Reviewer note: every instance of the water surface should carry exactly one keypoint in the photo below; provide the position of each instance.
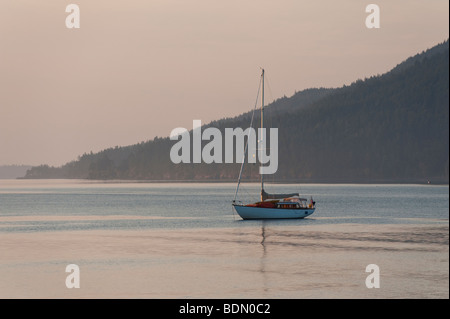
(182, 240)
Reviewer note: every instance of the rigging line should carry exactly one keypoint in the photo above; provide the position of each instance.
(246, 144)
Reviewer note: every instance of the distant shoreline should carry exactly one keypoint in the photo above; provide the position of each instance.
(369, 182)
(13, 171)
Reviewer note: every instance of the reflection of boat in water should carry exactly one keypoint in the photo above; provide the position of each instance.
(272, 206)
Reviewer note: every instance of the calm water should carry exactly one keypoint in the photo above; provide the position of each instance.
(176, 240)
(168, 206)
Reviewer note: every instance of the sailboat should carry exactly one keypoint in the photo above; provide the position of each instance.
(272, 206)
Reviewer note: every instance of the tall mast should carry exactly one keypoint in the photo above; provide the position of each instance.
(262, 126)
(246, 144)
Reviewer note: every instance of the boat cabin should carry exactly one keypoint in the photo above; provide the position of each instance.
(293, 203)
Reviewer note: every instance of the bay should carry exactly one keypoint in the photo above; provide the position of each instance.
(182, 240)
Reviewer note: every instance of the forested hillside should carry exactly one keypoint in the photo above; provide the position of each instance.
(388, 128)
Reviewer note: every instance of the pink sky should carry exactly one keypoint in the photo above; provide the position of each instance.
(138, 69)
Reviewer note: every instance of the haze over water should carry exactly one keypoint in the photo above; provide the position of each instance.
(151, 240)
(65, 92)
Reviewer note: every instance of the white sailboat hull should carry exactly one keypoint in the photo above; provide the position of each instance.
(249, 212)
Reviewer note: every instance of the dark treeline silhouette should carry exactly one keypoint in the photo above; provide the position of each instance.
(387, 128)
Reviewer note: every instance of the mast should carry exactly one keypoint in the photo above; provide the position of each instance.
(246, 144)
(262, 126)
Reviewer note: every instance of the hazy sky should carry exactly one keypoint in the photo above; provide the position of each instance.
(137, 69)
